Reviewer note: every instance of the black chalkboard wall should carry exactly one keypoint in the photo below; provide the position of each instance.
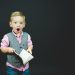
(48, 23)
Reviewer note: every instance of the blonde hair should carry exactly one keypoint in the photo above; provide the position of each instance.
(17, 13)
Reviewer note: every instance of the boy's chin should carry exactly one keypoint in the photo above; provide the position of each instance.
(18, 31)
(15, 31)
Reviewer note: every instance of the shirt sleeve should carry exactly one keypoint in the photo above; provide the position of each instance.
(5, 41)
(29, 40)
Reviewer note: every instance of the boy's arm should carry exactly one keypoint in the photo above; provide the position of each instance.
(30, 49)
(7, 49)
(30, 45)
(4, 45)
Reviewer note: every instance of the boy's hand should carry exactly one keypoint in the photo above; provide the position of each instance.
(7, 49)
(10, 50)
(29, 50)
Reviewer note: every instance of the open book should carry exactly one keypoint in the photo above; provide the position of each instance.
(25, 56)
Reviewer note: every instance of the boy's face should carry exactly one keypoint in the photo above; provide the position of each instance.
(17, 23)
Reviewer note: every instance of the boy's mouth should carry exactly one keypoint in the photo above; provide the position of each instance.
(18, 29)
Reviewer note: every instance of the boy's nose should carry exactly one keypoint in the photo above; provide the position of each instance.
(18, 24)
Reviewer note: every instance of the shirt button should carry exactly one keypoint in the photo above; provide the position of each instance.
(20, 47)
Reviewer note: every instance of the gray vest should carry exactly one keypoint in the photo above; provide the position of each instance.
(13, 42)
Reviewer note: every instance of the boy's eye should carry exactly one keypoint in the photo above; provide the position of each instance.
(15, 22)
(21, 22)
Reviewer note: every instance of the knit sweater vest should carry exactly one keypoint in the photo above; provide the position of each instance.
(13, 59)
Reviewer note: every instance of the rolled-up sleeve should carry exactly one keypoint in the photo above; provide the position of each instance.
(29, 40)
(5, 41)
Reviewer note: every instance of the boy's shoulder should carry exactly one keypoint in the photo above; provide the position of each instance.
(8, 33)
(26, 33)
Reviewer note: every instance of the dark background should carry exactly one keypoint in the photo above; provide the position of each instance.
(49, 24)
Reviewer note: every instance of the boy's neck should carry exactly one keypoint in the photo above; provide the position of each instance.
(17, 34)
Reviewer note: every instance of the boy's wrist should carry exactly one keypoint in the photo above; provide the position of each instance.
(29, 50)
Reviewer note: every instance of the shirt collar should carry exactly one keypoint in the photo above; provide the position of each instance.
(16, 35)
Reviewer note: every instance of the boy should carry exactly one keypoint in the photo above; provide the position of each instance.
(16, 41)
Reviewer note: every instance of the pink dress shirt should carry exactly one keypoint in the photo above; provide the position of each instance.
(5, 43)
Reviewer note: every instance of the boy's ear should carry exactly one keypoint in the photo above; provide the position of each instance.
(10, 24)
(24, 25)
